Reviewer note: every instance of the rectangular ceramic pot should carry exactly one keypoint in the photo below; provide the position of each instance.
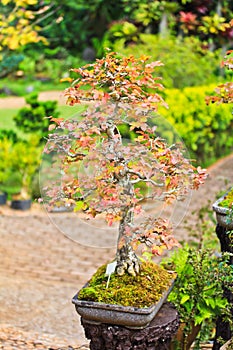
(128, 316)
(222, 213)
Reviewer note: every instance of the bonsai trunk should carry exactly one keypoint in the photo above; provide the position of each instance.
(127, 260)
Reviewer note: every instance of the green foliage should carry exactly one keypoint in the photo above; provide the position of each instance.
(91, 20)
(9, 135)
(34, 118)
(5, 159)
(198, 292)
(205, 130)
(22, 86)
(228, 200)
(201, 229)
(141, 290)
(26, 158)
(48, 64)
(10, 63)
(186, 63)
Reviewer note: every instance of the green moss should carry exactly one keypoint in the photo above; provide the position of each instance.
(227, 202)
(142, 290)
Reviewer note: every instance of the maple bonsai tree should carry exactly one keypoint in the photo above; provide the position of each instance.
(111, 177)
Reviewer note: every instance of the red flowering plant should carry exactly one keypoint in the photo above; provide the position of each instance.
(103, 175)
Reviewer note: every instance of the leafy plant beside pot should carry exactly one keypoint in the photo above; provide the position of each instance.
(198, 290)
(26, 158)
(106, 176)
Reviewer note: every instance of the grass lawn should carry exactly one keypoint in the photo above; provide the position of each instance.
(7, 116)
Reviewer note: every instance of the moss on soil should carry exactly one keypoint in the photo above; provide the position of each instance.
(142, 290)
(227, 202)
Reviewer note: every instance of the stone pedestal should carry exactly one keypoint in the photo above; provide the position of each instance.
(156, 336)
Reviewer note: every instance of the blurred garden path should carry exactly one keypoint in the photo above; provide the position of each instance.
(41, 268)
(19, 102)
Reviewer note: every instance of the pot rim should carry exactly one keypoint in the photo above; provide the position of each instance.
(219, 209)
(121, 308)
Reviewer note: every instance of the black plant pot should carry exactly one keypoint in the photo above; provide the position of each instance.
(21, 204)
(3, 198)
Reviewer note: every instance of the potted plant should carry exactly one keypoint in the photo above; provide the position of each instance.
(223, 208)
(104, 175)
(26, 157)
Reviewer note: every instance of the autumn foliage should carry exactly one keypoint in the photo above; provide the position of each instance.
(105, 175)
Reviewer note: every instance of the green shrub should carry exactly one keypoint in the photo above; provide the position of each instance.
(5, 160)
(205, 130)
(10, 63)
(34, 118)
(186, 63)
(26, 159)
(9, 135)
(37, 65)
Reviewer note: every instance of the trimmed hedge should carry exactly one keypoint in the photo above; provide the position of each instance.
(205, 130)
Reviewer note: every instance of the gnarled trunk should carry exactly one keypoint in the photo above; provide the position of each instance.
(127, 260)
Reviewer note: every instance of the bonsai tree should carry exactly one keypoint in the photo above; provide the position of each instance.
(104, 175)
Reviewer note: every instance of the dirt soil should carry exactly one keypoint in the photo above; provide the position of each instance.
(42, 268)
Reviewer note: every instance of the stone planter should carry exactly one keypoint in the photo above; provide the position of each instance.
(127, 316)
(222, 214)
(157, 335)
(223, 228)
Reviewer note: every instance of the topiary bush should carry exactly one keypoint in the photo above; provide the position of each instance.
(34, 117)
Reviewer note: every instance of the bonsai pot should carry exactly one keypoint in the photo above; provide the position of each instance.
(222, 213)
(127, 316)
(3, 198)
(21, 204)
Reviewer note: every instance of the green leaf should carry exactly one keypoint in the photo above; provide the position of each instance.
(79, 206)
(184, 298)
